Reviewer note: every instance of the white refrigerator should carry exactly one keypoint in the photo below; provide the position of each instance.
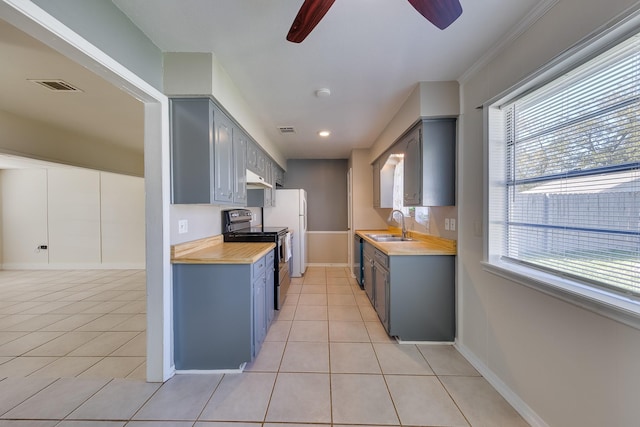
(291, 212)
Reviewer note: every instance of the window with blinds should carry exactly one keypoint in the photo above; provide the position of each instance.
(572, 166)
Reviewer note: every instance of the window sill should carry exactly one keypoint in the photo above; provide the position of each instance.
(617, 307)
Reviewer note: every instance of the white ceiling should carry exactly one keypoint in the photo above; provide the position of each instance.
(100, 111)
(370, 53)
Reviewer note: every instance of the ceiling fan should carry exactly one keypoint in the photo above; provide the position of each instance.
(440, 13)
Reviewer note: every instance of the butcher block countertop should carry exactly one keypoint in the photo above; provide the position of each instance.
(423, 244)
(213, 250)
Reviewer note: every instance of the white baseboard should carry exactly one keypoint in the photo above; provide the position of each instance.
(210, 371)
(72, 266)
(509, 395)
(327, 265)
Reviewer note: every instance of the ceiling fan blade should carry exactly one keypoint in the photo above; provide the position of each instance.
(440, 13)
(310, 13)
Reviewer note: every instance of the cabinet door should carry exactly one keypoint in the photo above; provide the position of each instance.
(252, 156)
(261, 163)
(191, 150)
(439, 162)
(357, 258)
(376, 184)
(368, 276)
(268, 193)
(240, 144)
(223, 147)
(259, 313)
(279, 176)
(274, 174)
(412, 179)
(381, 292)
(270, 287)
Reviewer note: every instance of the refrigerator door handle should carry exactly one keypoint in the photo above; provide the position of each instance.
(304, 213)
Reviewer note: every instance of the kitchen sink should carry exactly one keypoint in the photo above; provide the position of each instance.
(388, 238)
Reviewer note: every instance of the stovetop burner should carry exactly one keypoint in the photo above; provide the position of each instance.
(236, 226)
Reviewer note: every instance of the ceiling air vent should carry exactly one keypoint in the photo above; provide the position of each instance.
(286, 129)
(56, 85)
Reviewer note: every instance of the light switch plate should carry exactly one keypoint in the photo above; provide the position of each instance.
(446, 224)
(183, 226)
(452, 224)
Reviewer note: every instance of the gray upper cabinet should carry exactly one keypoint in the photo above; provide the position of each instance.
(376, 183)
(223, 157)
(240, 150)
(273, 182)
(279, 176)
(261, 166)
(192, 152)
(208, 154)
(412, 180)
(428, 151)
(430, 163)
(268, 176)
(252, 156)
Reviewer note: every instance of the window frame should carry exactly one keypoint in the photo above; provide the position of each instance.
(614, 305)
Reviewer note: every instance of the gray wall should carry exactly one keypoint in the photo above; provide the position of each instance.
(326, 185)
(105, 26)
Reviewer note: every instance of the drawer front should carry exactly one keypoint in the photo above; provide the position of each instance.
(258, 267)
(382, 259)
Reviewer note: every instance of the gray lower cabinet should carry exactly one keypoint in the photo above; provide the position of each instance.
(414, 295)
(368, 253)
(221, 313)
(270, 283)
(381, 287)
(260, 317)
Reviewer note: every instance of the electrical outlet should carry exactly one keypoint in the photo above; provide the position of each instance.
(452, 224)
(446, 224)
(183, 226)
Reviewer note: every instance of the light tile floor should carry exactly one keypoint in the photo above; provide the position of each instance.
(72, 354)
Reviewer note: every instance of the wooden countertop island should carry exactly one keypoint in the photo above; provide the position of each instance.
(213, 250)
(223, 302)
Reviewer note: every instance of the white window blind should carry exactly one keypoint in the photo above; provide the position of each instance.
(573, 173)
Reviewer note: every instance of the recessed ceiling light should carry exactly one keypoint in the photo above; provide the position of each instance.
(324, 133)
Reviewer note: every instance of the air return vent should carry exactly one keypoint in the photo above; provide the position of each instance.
(286, 129)
(56, 85)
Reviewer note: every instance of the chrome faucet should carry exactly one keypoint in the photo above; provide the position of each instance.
(404, 228)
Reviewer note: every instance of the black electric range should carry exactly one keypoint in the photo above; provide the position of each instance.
(236, 227)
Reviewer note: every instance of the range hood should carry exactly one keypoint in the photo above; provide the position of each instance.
(256, 181)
